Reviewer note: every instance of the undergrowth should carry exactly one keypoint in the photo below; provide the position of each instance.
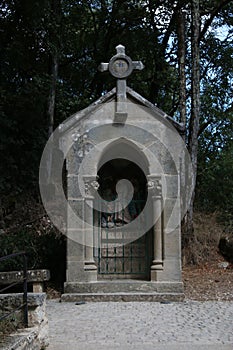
(207, 233)
(10, 324)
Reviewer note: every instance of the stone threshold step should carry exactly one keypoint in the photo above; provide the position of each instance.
(120, 286)
(101, 297)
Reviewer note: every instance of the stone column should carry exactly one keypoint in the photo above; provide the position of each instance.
(91, 186)
(155, 191)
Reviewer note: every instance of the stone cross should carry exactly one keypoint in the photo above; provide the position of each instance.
(121, 66)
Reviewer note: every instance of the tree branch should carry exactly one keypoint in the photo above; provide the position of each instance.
(172, 24)
(203, 127)
(213, 14)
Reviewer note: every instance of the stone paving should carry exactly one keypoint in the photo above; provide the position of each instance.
(140, 325)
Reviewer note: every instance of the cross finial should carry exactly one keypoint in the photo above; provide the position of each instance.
(121, 66)
(120, 49)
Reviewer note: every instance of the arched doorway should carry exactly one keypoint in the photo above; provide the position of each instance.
(114, 258)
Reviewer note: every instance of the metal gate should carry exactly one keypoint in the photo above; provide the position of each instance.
(113, 255)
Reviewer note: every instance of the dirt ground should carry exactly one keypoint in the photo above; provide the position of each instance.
(212, 277)
(209, 281)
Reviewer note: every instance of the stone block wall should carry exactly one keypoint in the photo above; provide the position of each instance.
(38, 323)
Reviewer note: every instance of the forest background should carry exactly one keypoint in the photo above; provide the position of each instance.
(50, 51)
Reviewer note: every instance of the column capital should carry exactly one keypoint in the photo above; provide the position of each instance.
(154, 185)
(91, 185)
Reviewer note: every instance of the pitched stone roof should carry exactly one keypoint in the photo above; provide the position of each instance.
(110, 96)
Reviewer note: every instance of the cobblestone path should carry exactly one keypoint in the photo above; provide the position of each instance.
(141, 325)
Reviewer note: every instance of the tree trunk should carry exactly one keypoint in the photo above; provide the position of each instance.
(54, 44)
(188, 230)
(181, 63)
(52, 92)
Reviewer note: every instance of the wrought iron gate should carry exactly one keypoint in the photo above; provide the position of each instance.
(113, 255)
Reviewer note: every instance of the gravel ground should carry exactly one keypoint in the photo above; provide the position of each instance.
(204, 321)
(140, 325)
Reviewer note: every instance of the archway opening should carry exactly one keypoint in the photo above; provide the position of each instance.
(117, 169)
(114, 258)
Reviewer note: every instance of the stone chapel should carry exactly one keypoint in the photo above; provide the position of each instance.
(122, 145)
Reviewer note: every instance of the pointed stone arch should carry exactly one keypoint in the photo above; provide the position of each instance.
(125, 149)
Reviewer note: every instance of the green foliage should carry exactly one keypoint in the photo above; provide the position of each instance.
(24, 94)
(214, 189)
(85, 33)
(215, 180)
(44, 251)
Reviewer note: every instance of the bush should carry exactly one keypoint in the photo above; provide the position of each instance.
(44, 250)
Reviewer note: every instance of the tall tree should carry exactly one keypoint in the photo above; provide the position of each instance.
(181, 55)
(194, 130)
(54, 51)
(195, 108)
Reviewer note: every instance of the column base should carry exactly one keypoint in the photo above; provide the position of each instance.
(90, 266)
(90, 270)
(156, 275)
(157, 265)
(156, 270)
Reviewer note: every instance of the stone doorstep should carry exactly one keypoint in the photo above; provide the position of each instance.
(127, 290)
(123, 286)
(105, 297)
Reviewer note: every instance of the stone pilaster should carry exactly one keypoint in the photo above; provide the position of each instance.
(155, 191)
(91, 185)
